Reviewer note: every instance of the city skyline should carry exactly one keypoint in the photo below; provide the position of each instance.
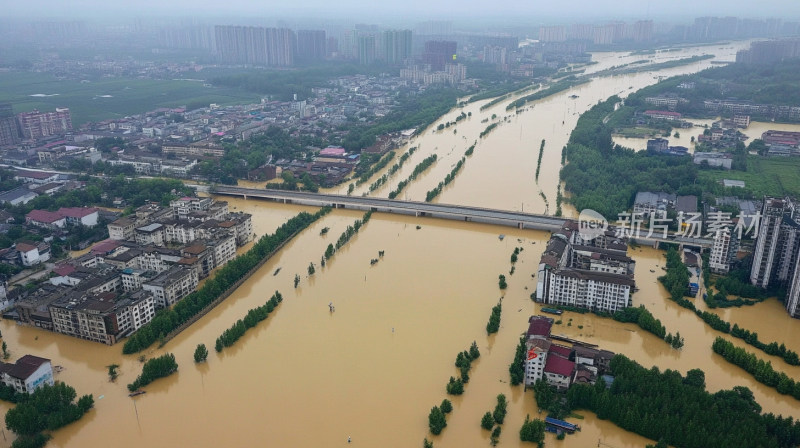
(394, 11)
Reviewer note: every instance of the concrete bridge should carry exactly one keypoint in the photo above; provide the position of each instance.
(507, 218)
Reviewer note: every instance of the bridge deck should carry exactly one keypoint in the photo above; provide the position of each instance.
(437, 210)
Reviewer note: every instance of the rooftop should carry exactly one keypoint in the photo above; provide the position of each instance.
(559, 365)
(24, 367)
(44, 216)
(539, 326)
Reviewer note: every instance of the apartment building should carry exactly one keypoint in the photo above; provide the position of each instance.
(172, 285)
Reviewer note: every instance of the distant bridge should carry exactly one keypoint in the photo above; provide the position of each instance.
(507, 218)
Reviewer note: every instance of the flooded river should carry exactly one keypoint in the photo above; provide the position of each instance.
(372, 369)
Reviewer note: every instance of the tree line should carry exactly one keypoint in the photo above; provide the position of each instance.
(539, 162)
(46, 409)
(558, 86)
(677, 410)
(348, 233)
(497, 416)
(153, 369)
(517, 368)
(494, 319)
(488, 129)
(432, 194)
(673, 281)
(761, 370)
(464, 363)
(419, 169)
(169, 319)
(381, 164)
(251, 319)
(394, 169)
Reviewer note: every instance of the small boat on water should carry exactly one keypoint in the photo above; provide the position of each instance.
(501, 236)
(137, 392)
(552, 311)
(652, 270)
(276, 272)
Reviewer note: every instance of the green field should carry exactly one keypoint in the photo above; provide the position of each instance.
(771, 176)
(128, 96)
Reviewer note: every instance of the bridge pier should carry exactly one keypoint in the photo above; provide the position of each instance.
(244, 196)
(519, 225)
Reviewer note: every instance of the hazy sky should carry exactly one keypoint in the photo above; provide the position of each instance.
(566, 11)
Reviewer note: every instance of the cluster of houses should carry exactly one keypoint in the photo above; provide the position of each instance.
(560, 365)
(152, 259)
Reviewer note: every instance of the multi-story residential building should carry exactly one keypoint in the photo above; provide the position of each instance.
(537, 344)
(123, 259)
(241, 224)
(172, 285)
(769, 242)
(185, 205)
(560, 365)
(723, 252)
(151, 234)
(132, 279)
(397, 46)
(158, 259)
(27, 374)
(36, 125)
(153, 212)
(311, 45)
(9, 131)
(584, 276)
(222, 246)
(272, 47)
(662, 115)
(180, 232)
(121, 229)
(439, 53)
(588, 289)
(793, 297)
(104, 317)
(200, 257)
(205, 149)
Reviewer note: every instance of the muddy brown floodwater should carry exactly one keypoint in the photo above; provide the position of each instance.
(372, 369)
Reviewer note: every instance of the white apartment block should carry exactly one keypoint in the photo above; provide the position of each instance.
(723, 251)
(591, 290)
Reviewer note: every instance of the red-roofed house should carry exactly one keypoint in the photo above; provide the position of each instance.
(85, 216)
(561, 350)
(106, 247)
(43, 218)
(558, 370)
(539, 326)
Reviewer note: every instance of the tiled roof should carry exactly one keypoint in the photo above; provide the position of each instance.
(44, 216)
(559, 365)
